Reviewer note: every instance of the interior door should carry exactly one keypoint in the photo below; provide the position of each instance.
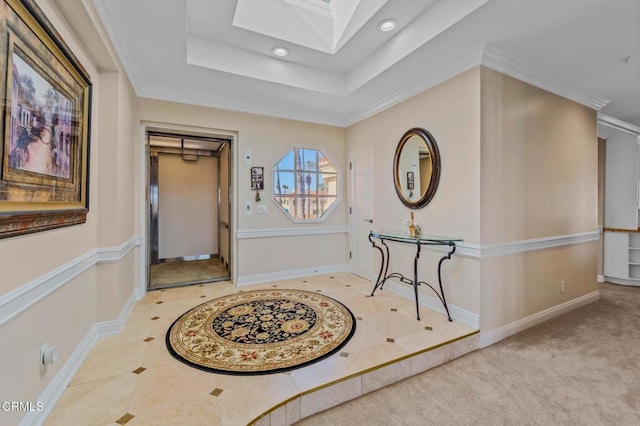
(361, 218)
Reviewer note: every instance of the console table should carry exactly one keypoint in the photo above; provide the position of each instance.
(423, 240)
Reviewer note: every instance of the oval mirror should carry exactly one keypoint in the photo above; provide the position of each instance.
(416, 168)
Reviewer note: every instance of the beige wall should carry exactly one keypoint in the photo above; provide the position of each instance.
(63, 320)
(539, 162)
(451, 113)
(539, 179)
(65, 316)
(268, 139)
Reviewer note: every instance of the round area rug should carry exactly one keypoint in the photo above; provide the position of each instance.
(260, 332)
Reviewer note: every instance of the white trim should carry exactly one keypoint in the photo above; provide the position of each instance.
(339, 179)
(514, 247)
(614, 123)
(622, 281)
(164, 93)
(245, 280)
(503, 62)
(115, 327)
(463, 249)
(143, 174)
(600, 278)
(476, 251)
(106, 10)
(23, 298)
(56, 387)
(433, 303)
(462, 64)
(115, 254)
(246, 234)
(493, 336)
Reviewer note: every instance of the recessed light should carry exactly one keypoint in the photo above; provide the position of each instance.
(280, 51)
(387, 25)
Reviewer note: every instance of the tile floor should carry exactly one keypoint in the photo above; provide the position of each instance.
(132, 379)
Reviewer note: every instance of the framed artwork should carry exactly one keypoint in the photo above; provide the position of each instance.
(45, 124)
(257, 178)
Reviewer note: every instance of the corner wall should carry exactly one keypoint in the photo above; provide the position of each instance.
(539, 183)
(450, 111)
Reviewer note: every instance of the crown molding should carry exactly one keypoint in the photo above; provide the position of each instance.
(106, 10)
(514, 67)
(464, 63)
(168, 95)
(614, 123)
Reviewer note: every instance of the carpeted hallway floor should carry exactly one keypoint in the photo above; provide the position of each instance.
(582, 368)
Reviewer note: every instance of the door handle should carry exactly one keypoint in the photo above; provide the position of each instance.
(368, 220)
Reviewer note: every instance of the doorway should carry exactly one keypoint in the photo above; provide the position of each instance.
(361, 165)
(189, 209)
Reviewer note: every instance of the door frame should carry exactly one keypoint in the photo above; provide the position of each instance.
(142, 194)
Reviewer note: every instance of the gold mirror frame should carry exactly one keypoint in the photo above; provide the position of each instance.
(426, 195)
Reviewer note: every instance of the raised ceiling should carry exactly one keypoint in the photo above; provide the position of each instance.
(341, 68)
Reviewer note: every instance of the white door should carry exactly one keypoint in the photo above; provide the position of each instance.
(361, 209)
(621, 180)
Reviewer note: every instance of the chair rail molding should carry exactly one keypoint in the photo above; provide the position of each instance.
(246, 234)
(23, 298)
(477, 251)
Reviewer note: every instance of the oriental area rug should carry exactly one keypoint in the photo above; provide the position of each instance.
(260, 332)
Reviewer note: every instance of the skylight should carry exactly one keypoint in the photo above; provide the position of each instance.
(317, 24)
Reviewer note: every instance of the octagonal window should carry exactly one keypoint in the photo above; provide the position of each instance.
(305, 184)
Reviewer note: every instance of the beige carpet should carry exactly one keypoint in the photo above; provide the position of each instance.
(582, 368)
(182, 273)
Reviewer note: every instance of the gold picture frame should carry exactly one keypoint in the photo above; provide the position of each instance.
(46, 116)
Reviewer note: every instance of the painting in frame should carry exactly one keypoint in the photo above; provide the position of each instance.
(44, 125)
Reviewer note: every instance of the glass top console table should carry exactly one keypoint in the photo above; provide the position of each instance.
(379, 240)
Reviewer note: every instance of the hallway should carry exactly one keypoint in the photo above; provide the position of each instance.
(132, 379)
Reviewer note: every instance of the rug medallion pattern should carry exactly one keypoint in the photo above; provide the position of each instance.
(260, 332)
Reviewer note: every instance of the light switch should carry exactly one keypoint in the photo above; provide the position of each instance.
(248, 207)
(247, 157)
(262, 209)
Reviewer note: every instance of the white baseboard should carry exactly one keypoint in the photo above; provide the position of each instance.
(59, 383)
(622, 281)
(488, 338)
(433, 303)
(245, 280)
(114, 327)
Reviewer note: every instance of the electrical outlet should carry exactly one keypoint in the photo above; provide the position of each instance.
(262, 209)
(248, 208)
(562, 286)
